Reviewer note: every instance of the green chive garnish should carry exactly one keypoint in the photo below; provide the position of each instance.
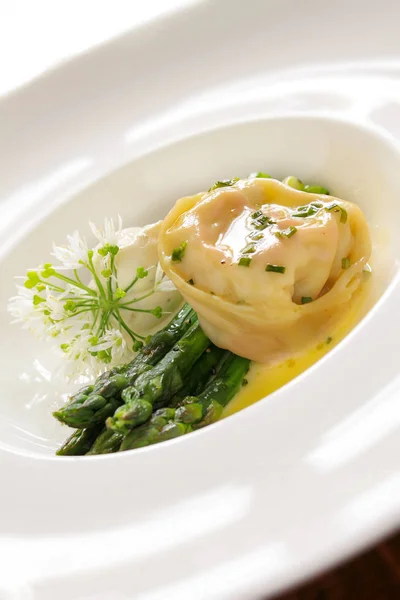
(345, 263)
(254, 235)
(224, 183)
(287, 233)
(249, 249)
(275, 269)
(336, 208)
(306, 299)
(177, 253)
(305, 211)
(328, 339)
(261, 221)
(244, 261)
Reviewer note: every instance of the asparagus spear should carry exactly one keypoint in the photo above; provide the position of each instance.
(159, 385)
(91, 405)
(195, 412)
(79, 442)
(106, 443)
(203, 369)
(160, 428)
(219, 391)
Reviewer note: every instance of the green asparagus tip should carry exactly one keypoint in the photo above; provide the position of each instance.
(106, 443)
(127, 417)
(190, 412)
(173, 430)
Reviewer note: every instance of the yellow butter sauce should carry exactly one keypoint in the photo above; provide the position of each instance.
(263, 379)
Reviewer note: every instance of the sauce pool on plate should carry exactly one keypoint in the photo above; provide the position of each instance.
(262, 380)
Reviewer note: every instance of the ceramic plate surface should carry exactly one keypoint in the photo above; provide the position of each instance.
(310, 474)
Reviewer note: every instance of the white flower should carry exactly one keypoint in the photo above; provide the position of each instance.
(161, 282)
(76, 352)
(112, 340)
(21, 306)
(55, 305)
(75, 254)
(24, 310)
(110, 234)
(99, 324)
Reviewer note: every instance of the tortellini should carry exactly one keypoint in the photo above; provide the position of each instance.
(267, 268)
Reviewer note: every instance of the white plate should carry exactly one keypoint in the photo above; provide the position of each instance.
(301, 479)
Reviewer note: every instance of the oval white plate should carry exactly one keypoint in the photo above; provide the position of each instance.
(304, 477)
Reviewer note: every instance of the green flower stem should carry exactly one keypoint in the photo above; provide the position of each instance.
(77, 277)
(72, 282)
(96, 278)
(141, 310)
(84, 299)
(136, 299)
(121, 321)
(56, 288)
(109, 282)
(113, 267)
(131, 284)
(103, 323)
(95, 317)
(79, 312)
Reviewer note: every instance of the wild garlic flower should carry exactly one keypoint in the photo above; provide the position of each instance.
(96, 318)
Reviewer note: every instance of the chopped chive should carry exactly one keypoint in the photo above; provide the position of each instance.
(261, 225)
(259, 174)
(305, 211)
(317, 204)
(177, 253)
(254, 235)
(275, 269)
(329, 339)
(249, 249)
(287, 233)
(190, 282)
(244, 261)
(316, 189)
(306, 299)
(345, 263)
(224, 183)
(336, 207)
(261, 221)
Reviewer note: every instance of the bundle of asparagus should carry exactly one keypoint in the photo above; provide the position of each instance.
(179, 382)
